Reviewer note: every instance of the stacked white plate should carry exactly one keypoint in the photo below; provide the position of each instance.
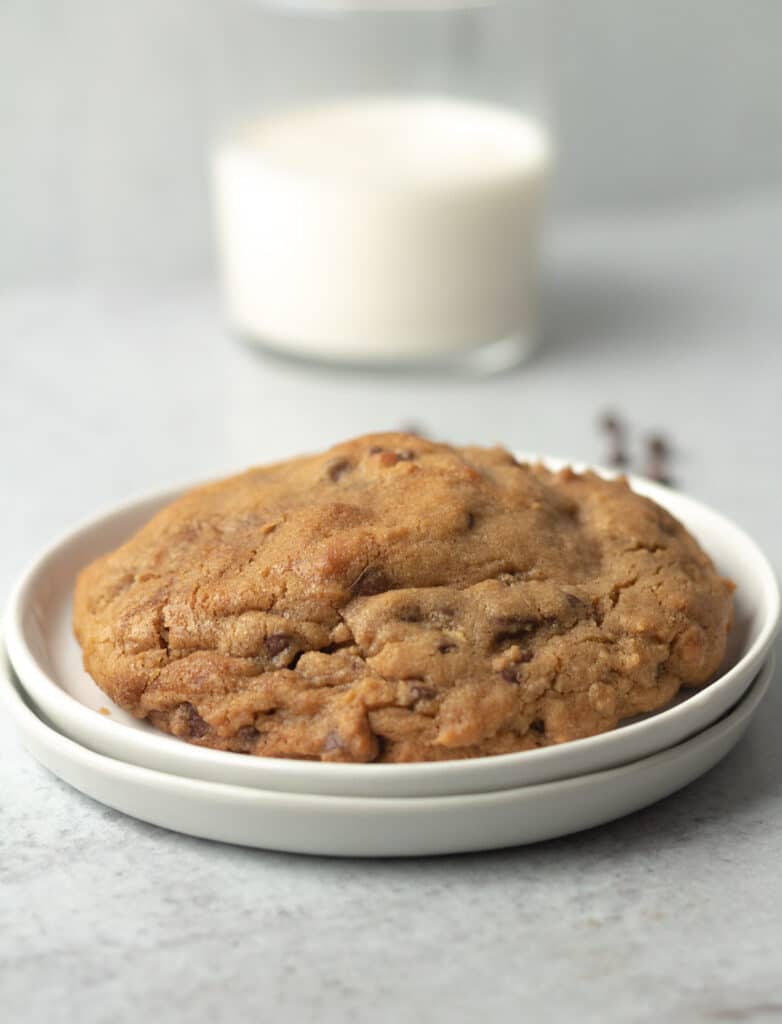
(73, 729)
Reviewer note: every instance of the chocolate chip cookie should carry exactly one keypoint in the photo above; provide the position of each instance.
(394, 599)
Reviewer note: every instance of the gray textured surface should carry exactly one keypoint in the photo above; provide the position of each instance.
(104, 106)
(671, 914)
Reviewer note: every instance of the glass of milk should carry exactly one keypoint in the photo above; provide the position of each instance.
(379, 179)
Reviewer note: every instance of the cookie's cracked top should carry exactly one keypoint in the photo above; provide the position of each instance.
(395, 599)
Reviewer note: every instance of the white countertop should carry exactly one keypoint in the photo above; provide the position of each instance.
(673, 913)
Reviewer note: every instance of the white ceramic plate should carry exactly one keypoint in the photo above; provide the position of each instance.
(47, 660)
(378, 827)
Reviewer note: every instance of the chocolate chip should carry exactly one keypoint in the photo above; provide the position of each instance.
(658, 446)
(658, 455)
(333, 648)
(247, 735)
(337, 468)
(471, 520)
(163, 635)
(617, 457)
(371, 581)
(446, 648)
(512, 630)
(277, 642)
(610, 423)
(538, 725)
(613, 426)
(376, 449)
(194, 723)
(512, 672)
(575, 602)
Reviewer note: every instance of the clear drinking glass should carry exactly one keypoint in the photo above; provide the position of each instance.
(379, 178)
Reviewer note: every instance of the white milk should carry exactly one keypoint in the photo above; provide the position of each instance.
(378, 229)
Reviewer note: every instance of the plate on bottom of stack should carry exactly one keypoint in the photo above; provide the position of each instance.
(377, 826)
(384, 809)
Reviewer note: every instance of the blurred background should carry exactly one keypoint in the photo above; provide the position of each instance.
(105, 109)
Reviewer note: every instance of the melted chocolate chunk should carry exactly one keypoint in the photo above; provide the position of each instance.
(276, 643)
(196, 726)
(512, 673)
(247, 735)
(371, 581)
(338, 468)
(514, 630)
(575, 602)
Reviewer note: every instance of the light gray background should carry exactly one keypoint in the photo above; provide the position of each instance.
(663, 302)
(104, 106)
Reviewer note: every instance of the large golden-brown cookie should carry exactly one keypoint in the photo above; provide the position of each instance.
(399, 600)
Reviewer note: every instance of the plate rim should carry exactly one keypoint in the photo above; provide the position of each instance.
(26, 664)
